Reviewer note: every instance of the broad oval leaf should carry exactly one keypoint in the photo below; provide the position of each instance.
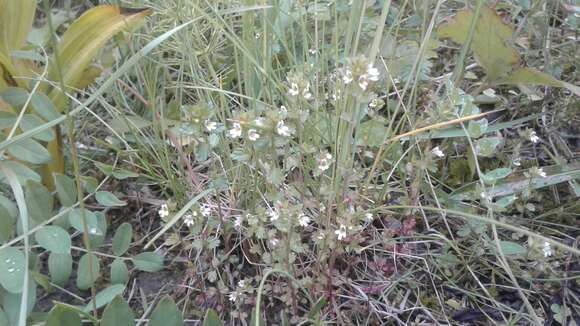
(12, 267)
(510, 248)
(119, 272)
(54, 239)
(66, 189)
(211, 318)
(39, 201)
(30, 151)
(118, 313)
(105, 296)
(59, 316)
(85, 276)
(148, 261)
(122, 239)
(166, 314)
(108, 199)
(487, 147)
(76, 220)
(60, 268)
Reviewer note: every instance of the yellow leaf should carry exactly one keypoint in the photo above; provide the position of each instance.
(16, 18)
(85, 37)
(491, 41)
(529, 76)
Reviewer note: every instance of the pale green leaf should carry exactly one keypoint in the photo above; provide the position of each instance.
(12, 269)
(59, 316)
(105, 296)
(119, 272)
(29, 150)
(66, 189)
(148, 261)
(54, 239)
(118, 313)
(60, 268)
(108, 199)
(23, 172)
(122, 239)
(85, 276)
(39, 201)
(30, 121)
(166, 314)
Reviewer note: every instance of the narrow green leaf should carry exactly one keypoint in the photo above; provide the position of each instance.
(12, 268)
(105, 296)
(7, 224)
(211, 318)
(166, 314)
(30, 121)
(29, 150)
(118, 313)
(66, 190)
(108, 199)
(84, 279)
(54, 239)
(148, 262)
(60, 268)
(119, 272)
(122, 239)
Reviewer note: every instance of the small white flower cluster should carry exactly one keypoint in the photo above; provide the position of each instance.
(547, 249)
(210, 125)
(324, 161)
(304, 220)
(362, 71)
(274, 215)
(438, 152)
(534, 137)
(299, 87)
(236, 131)
(253, 135)
(163, 211)
(341, 232)
(282, 129)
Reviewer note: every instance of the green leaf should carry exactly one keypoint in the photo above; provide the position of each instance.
(315, 311)
(12, 267)
(39, 201)
(30, 121)
(59, 316)
(476, 129)
(66, 189)
(122, 239)
(108, 199)
(44, 107)
(12, 302)
(23, 173)
(529, 76)
(90, 184)
(29, 150)
(510, 248)
(7, 119)
(371, 133)
(495, 175)
(212, 318)
(86, 278)
(119, 272)
(166, 314)
(118, 313)
(97, 239)
(60, 268)
(487, 147)
(54, 239)
(148, 262)
(105, 296)
(7, 224)
(3, 318)
(75, 218)
(127, 123)
(122, 174)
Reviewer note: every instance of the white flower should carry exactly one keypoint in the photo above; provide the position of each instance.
(369, 216)
(374, 103)
(188, 220)
(163, 211)
(437, 152)
(372, 74)
(210, 125)
(273, 215)
(517, 161)
(233, 296)
(490, 92)
(238, 222)
(324, 161)
(306, 92)
(304, 220)
(341, 232)
(242, 283)
(205, 210)
(541, 172)
(259, 122)
(547, 249)
(253, 135)
(312, 51)
(274, 242)
(236, 131)
(293, 91)
(283, 129)
(534, 138)
(347, 76)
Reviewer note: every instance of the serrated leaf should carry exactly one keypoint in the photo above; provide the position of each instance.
(60, 268)
(85, 277)
(39, 201)
(108, 199)
(118, 313)
(495, 175)
(487, 147)
(59, 316)
(66, 189)
(122, 239)
(29, 150)
(119, 272)
(166, 314)
(105, 296)
(148, 262)
(12, 267)
(30, 121)
(54, 239)
(23, 173)
(510, 248)
(491, 42)
(211, 318)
